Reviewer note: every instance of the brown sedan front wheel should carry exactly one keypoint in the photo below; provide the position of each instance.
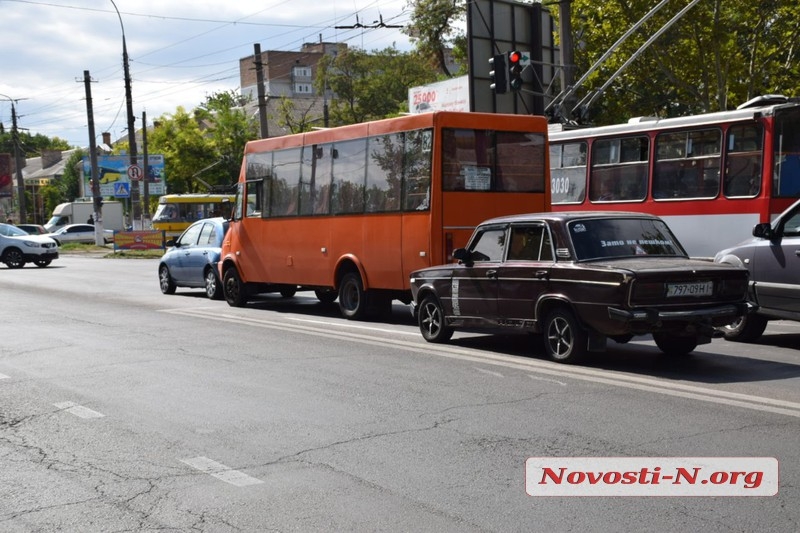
(431, 321)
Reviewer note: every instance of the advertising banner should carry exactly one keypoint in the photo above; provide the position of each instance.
(448, 95)
(114, 169)
(6, 181)
(139, 240)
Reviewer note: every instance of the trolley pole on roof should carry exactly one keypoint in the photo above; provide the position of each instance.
(583, 105)
(557, 104)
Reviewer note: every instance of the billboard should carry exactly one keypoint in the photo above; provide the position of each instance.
(448, 95)
(112, 171)
(6, 181)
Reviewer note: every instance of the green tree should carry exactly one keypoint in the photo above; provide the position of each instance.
(30, 145)
(202, 147)
(296, 120)
(68, 187)
(229, 128)
(51, 197)
(370, 86)
(718, 55)
(186, 148)
(434, 28)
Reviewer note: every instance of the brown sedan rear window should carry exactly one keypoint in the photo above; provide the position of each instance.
(626, 237)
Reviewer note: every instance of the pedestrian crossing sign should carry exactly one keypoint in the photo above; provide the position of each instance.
(122, 189)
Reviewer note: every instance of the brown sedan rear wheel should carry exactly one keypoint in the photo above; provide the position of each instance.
(565, 341)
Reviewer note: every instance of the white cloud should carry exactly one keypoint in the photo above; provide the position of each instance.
(180, 52)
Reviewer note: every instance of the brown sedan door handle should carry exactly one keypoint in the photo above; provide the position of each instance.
(797, 252)
(541, 274)
(491, 274)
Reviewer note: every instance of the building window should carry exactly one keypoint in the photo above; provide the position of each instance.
(303, 88)
(302, 72)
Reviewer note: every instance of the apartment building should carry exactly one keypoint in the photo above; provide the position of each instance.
(286, 74)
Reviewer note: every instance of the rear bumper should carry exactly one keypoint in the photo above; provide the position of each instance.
(656, 318)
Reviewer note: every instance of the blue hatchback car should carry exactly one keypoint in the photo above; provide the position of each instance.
(191, 260)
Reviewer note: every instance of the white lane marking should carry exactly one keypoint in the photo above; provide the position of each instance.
(605, 377)
(78, 410)
(221, 472)
(353, 326)
(549, 380)
(3, 376)
(484, 371)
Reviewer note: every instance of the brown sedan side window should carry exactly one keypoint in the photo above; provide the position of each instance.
(530, 243)
(489, 245)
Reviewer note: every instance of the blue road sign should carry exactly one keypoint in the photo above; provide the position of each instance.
(122, 189)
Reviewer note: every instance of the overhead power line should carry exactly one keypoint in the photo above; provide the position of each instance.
(375, 24)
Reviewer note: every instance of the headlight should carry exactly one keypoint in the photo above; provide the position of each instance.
(31, 244)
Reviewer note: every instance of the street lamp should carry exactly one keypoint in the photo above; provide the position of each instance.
(129, 103)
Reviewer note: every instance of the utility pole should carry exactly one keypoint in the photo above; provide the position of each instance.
(262, 99)
(567, 49)
(145, 176)
(97, 199)
(18, 163)
(23, 213)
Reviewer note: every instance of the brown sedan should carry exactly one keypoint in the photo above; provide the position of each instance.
(579, 278)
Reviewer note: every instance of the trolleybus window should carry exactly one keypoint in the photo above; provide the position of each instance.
(687, 164)
(568, 172)
(619, 169)
(743, 164)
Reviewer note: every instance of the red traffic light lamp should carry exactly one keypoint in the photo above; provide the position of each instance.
(515, 70)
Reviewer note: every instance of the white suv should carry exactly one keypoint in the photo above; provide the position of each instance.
(18, 248)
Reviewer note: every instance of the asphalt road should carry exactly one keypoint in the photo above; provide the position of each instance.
(122, 409)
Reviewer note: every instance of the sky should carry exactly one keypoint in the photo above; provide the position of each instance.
(179, 52)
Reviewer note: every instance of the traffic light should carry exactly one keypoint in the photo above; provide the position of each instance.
(497, 74)
(515, 70)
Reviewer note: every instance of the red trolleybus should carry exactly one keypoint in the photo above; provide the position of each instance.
(712, 177)
(350, 212)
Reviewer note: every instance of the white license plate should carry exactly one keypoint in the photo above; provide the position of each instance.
(705, 288)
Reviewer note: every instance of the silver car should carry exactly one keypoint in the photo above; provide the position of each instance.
(772, 256)
(192, 259)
